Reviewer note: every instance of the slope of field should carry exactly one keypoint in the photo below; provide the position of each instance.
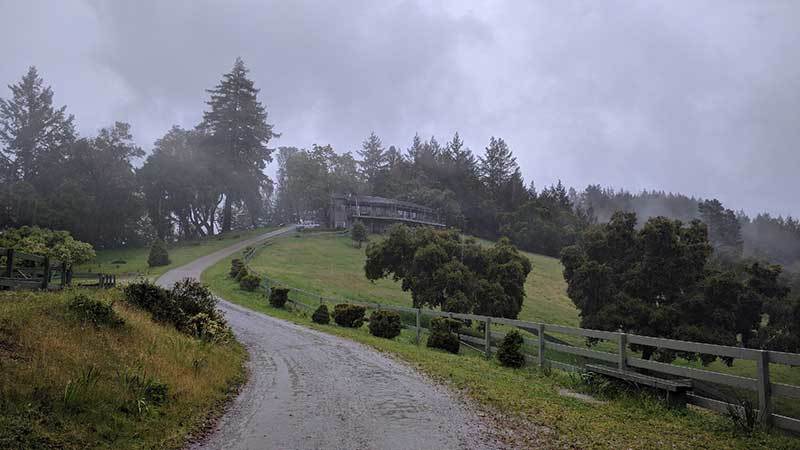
(66, 384)
(331, 266)
(526, 404)
(133, 261)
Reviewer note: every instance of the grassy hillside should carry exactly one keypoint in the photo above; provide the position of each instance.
(66, 384)
(331, 266)
(514, 398)
(134, 260)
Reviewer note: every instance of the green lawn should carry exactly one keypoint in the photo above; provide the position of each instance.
(525, 395)
(331, 266)
(133, 261)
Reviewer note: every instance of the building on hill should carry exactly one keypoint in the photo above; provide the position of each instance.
(378, 213)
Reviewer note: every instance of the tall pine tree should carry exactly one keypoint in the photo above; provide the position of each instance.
(239, 132)
(373, 159)
(32, 132)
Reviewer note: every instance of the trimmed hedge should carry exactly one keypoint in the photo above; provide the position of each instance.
(347, 315)
(321, 315)
(385, 324)
(278, 296)
(510, 351)
(236, 266)
(158, 254)
(443, 334)
(249, 282)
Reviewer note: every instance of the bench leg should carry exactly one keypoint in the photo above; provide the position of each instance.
(676, 399)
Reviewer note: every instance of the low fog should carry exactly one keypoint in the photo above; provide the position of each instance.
(700, 98)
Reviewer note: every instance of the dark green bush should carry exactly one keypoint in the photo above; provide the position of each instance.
(119, 261)
(278, 296)
(236, 266)
(351, 316)
(385, 324)
(249, 282)
(94, 311)
(321, 315)
(510, 351)
(158, 254)
(189, 306)
(443, 334)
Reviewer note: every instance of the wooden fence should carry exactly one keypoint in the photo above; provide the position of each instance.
(546, 349)
(19, 270)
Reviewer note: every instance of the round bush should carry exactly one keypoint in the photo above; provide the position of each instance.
(510, 351)
(321, 315)
(443, 336)
(94, 311)
(278, 296)
(351, 316)
(385, 324)
(249, 282)
(158, 254)
(236, 266)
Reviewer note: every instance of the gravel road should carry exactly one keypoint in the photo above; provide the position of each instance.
(311, 390)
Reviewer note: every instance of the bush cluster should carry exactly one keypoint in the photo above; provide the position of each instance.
(385, 324)
(321, 315)
(96, 312)
(249, 281)
(189, 306)
(237, 265)
(443, 334)
(278, 296)
(510, 351)
(158, 254)
(347, 315)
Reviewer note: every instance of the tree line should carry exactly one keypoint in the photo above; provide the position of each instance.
(195, 182)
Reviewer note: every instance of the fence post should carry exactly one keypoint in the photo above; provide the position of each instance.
(623, 351)
(10, 263)
(46, 273)
(419, 326)
(764, 401)
(487, 350)
(540, 329)
(99, 280)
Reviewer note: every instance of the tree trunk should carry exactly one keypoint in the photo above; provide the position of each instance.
(227, 215)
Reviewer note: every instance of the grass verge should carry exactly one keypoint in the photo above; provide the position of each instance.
(68, 384)
(133, 261)
(624, 420)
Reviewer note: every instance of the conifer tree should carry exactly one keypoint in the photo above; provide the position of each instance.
(32, 132)
(373, 158)
(239, 132)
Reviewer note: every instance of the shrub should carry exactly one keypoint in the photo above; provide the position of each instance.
(385, 324)
(193, 298)
(189, 306)
(443, 336)
(249, 282)
(236, 266)
(321, 315)
(95, 311)
(158, 254)
(278, 296)
(119, 261)
(351, 316)
(209, 327)
(157, 300)
(243, 272)
(510, 351)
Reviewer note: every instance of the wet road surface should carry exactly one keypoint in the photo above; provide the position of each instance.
(311, 390)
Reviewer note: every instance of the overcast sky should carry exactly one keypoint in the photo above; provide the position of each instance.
(686, 96)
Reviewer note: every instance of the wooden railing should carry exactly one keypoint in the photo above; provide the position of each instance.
(547, 349)
(19, 270)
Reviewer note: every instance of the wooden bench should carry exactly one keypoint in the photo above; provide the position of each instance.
(675, 389)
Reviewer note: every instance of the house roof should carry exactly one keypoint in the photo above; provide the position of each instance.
(372, 200)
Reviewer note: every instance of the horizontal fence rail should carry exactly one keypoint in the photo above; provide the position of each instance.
(622, 361)
(20, 270)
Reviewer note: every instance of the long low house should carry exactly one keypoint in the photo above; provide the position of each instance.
(378, 213)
